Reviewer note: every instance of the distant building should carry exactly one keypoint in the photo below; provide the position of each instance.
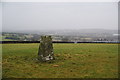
(116, 34)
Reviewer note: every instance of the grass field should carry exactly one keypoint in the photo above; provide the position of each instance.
(73, 61)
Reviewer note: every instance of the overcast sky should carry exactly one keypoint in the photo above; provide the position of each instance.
(60, 0)
(51, 16)
(0, 18)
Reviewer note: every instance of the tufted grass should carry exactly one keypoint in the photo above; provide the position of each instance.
(83, 60)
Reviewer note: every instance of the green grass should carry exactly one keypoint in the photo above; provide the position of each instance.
(73, 60)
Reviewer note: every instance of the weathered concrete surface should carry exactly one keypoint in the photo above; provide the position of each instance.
(45, 52)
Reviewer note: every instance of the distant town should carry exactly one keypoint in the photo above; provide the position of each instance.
(64, 35)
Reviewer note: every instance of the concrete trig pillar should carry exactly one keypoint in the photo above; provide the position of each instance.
(45, 52)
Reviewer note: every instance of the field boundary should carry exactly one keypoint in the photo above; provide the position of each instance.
(4, 42)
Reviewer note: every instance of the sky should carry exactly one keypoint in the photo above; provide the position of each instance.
(59, 0)
(0, 18)
(59, 15)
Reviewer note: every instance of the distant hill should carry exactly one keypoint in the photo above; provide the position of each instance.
(68, 32)
(81, 35)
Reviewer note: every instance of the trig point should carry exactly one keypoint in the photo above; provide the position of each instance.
(45, 52)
